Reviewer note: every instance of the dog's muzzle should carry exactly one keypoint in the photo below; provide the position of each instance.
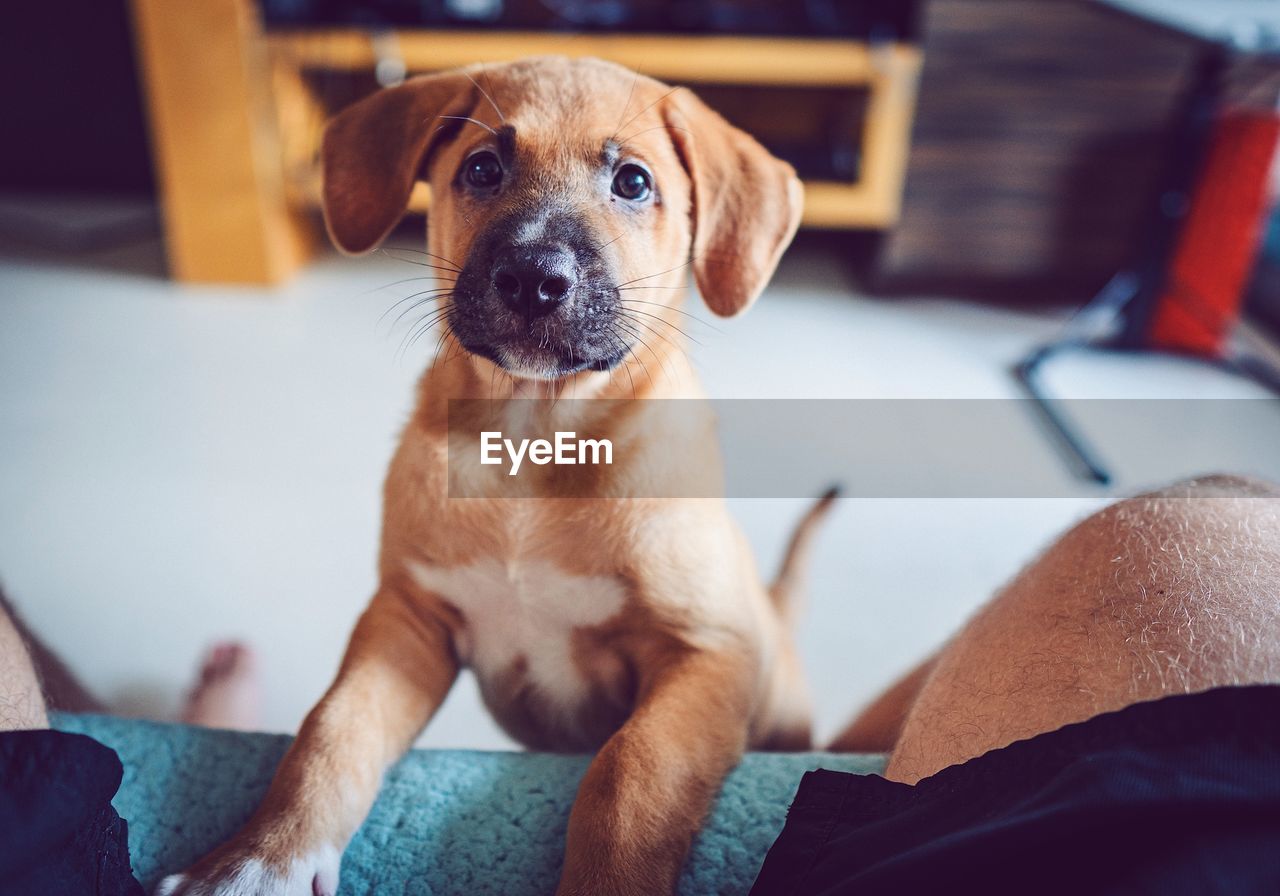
(534, 280)
(543, 309)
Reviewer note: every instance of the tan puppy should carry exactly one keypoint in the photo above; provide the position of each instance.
(637, 627)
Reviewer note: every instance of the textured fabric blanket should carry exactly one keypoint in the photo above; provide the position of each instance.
(446, 822)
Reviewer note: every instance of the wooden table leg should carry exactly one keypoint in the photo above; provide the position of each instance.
(215, 137)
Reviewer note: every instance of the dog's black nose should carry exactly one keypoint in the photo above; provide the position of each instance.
(534, 280)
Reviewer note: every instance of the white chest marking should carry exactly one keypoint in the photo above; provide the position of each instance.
(524, 609)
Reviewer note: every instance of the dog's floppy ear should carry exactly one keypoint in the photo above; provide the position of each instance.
(746, 204)
(373, 150)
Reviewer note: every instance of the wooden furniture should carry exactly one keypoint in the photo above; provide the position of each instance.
(227, 213)
(1037, 147)
(236, 116)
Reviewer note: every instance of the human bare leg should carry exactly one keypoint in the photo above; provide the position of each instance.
(225, 694)
(21, 700)
(1171, 592)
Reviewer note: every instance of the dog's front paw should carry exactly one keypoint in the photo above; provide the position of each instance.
(233, 871)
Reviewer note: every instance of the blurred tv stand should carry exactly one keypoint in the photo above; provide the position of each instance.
(236, 116)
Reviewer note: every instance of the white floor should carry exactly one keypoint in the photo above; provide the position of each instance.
(184, 464)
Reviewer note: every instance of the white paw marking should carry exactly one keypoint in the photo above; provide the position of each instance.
(315, 874)
(524, 608)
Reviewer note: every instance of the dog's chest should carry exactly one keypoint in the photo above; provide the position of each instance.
(521, 615)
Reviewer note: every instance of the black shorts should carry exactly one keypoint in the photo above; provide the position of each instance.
(59, 834)
(1180, 795)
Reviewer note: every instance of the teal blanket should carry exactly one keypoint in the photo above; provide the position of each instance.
(446, 821)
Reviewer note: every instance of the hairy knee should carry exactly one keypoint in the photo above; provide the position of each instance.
(1195, 531)
(1190, 572)
(1168, 592)
(1218, 485)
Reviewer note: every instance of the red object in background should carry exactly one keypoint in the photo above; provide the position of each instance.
(1219, 239)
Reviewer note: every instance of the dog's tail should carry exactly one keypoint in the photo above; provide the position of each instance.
(786, 587)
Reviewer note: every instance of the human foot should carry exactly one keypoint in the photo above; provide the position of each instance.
(228, 693)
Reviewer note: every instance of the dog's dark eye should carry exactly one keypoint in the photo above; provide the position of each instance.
(632, 182)
(483, 170)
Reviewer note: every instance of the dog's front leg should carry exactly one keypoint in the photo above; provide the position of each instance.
(649, 788)
(397, 670)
